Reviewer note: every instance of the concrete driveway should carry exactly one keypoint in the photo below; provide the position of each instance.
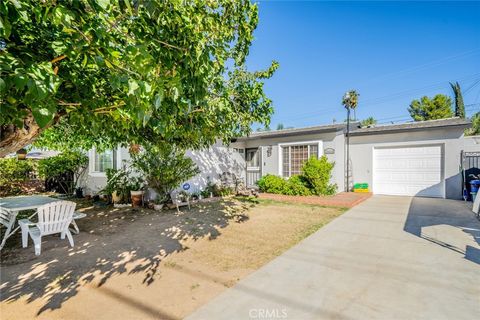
(387, 258)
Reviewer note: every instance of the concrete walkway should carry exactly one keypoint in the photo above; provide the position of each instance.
(387, 258)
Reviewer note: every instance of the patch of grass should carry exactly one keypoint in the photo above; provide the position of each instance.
(194, 286)
(172, 265)
(267, 202)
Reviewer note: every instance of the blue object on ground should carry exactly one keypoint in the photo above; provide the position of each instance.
(474, 184)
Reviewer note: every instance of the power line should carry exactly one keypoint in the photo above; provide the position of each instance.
(426, 65)
(471, 87)
(334, 110)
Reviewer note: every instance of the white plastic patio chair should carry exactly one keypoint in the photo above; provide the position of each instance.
(8, 220)
(53, 218)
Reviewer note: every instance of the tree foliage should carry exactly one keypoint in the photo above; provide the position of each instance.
(68, 163)
(350, 101)
(103, 72)
(459, 105)
(164, 167)
(475, 129)
(13, 170)
(370, 121)
(72, 161)
(438, 107)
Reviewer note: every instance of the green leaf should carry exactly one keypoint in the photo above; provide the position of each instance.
(104, 3)
(3, 85)
(5, 27)
(132, 86)
(20, 80)
(158, 100)
(44, 115)
(85, 60)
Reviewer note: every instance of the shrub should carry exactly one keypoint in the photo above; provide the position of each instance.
(66, 164)
(68, 161)
(164, 167)
(296, 186)
(216, 189)
(12, 169)
(272, 184)
(317, 174)
(315, 179)
(13, 173)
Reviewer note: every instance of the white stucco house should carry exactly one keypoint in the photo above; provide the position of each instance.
(415, 158)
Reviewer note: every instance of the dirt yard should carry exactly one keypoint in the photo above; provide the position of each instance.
(143, 264)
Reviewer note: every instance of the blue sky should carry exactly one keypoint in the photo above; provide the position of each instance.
(391, 52)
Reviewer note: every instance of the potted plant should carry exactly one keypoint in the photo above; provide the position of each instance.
(79, 192)
(22, 154)
(159, 202)
(137, 185)
(117, 187)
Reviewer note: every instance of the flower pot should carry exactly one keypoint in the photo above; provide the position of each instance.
(158, 207)
(137, 198)
(116, 197)
(21, 154)
(79, 192)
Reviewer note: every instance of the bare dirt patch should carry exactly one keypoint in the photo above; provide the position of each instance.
(142, 264)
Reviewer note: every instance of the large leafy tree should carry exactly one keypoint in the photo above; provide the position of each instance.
(459, 105)
(102, 72)
(438, 107)
(475, 129)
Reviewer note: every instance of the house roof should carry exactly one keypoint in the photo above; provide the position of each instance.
(296, 131)
(355, 131)
(412, 126)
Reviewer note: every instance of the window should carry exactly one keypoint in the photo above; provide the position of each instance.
(105, 160)
(293, 158)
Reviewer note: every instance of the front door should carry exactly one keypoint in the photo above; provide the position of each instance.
(252, 159)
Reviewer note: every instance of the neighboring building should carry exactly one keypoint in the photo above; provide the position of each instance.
(417, 158)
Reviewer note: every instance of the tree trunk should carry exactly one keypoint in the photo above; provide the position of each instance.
(13, 138)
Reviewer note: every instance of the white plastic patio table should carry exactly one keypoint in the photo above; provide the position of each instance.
(16, 204)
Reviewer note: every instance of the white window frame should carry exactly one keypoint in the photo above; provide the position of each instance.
(319, 143)
(92, 157)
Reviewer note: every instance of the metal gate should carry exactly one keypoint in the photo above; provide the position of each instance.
(253, 161)
(470, 168)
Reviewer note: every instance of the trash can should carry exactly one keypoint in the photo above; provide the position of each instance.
(474, 184)
(473, 195)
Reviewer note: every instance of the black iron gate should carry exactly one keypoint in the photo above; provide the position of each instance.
(470, 165)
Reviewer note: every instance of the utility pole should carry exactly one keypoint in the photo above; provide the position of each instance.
(348, 150)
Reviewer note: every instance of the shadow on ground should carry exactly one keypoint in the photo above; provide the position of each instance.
(111, 242)
(447, 223)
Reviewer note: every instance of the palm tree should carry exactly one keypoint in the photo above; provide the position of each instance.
(459, 106)
(349, 101)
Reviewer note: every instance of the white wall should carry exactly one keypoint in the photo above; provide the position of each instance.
(212, 162)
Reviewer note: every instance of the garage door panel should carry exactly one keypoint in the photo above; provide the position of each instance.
(408, 171)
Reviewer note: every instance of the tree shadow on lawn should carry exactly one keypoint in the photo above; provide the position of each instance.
(111, 242)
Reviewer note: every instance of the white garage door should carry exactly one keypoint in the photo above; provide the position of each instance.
(408, 171)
